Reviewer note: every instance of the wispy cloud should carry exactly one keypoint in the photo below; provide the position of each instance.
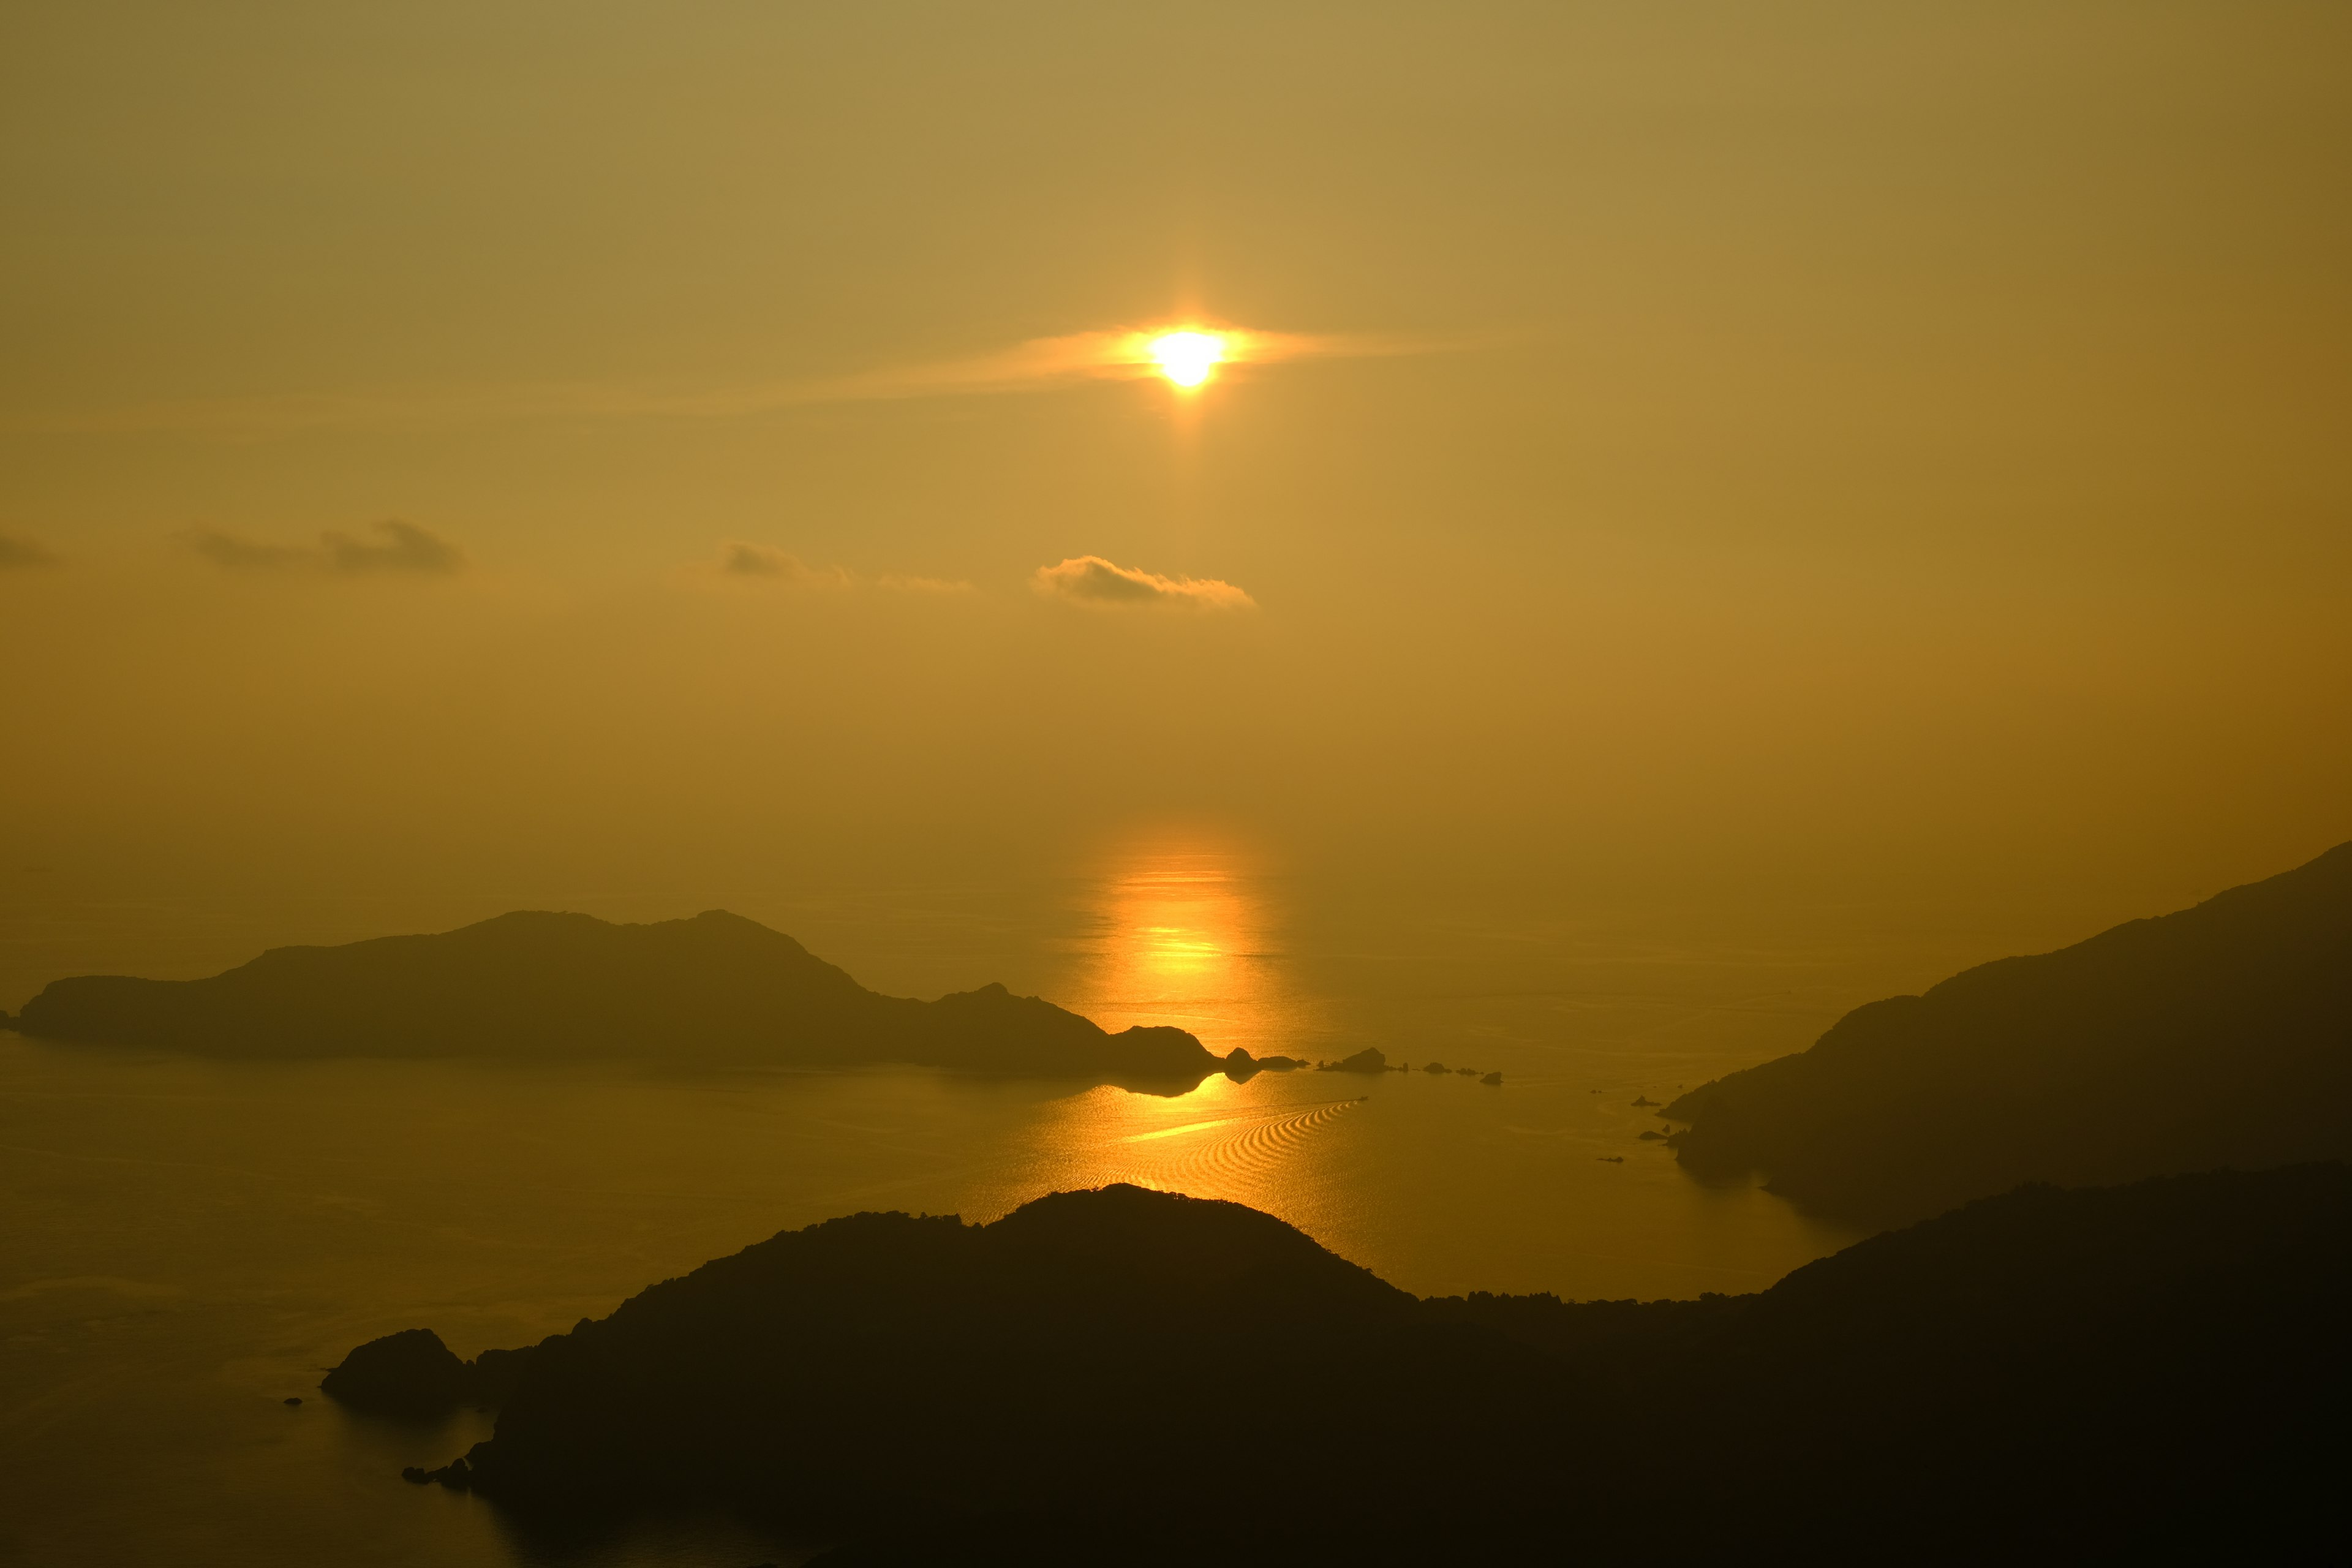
(396, 547)
(742, 561)
(17, 552)
(764, 563)
(1038, 364)
(391, 547)
(234, 552)
(935, 585)
(1091, 580)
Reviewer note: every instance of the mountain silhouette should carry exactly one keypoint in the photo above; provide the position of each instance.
(1128, 1376)
(2219, 1035)
(716, 989)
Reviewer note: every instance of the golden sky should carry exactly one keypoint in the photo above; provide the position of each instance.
(508, 451)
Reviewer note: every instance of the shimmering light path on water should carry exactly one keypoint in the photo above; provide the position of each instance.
(192, 1242)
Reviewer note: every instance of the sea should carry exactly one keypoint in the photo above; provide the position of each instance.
(190, 1243)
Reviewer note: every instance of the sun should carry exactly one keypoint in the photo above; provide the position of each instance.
(1188, 358)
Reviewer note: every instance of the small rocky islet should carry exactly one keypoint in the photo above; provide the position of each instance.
(1372, 1059)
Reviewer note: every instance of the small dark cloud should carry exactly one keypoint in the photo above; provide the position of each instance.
(737, 558)
(1091, 580)
(17, 551)
(232, 553)
(390, 546)
(396, 547)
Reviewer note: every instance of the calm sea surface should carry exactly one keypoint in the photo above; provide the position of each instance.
(188, 1242)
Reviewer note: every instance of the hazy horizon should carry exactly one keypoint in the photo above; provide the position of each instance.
(1581, 542)
(1829, 457)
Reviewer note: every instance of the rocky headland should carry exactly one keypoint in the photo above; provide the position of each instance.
(2218, 1036)
(715, 990)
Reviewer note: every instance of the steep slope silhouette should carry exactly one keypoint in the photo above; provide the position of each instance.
(1125, 1377)
(716, 989)
(2060, 1372)
(2219, 1035)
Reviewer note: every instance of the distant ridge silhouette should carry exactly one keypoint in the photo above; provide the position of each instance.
(2219, 1035)
(1123, 1376)
(716, 989)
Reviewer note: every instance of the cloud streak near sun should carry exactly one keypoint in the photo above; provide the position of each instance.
(1124, 353)
(1120, 353)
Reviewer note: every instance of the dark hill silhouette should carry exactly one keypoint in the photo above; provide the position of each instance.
(1122, 1376)
(1072, 1350)
(714, 989)
(2219, 1035)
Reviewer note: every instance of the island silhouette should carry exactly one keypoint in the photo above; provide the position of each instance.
(2218, 1036)
(716, 989)
(1123, 1376)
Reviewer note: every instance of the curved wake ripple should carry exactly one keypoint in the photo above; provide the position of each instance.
(1240, 1150)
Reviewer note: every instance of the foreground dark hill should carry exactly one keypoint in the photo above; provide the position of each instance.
(1124, 1376)
(717, 988)
(2219, 1035)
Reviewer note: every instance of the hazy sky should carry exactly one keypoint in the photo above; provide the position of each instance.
(494, 453)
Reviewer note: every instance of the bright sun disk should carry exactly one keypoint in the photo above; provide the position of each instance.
(1188, 359)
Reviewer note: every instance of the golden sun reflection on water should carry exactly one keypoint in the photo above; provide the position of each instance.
(1435, 1181)
(1190, 936)
(1187, 936)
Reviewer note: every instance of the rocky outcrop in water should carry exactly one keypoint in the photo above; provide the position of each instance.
(413, 1374)
(1240, 1066)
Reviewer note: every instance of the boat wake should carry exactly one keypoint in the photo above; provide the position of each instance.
(1231, 1151)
